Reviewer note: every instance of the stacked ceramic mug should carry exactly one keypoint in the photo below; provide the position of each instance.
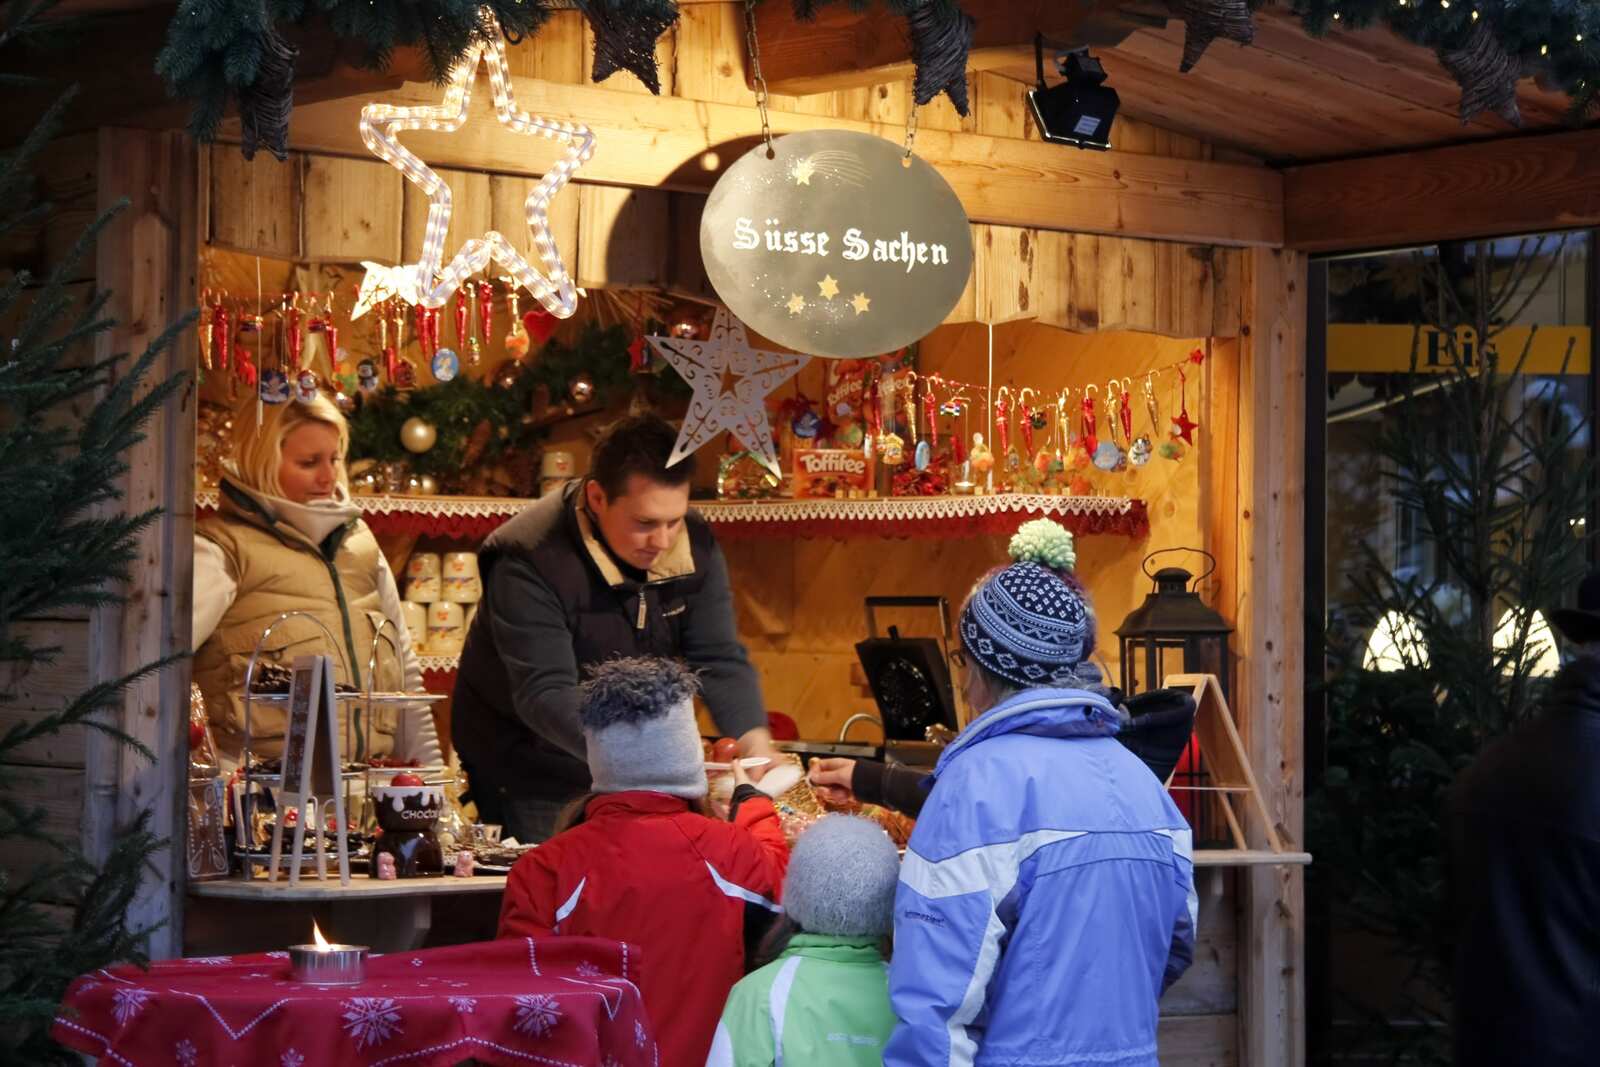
(442, 594)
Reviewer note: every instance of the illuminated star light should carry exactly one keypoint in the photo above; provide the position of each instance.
(861, 302)
(431, 284)
(731, 381)
(828, 286)
(802, 171)
(797, 303)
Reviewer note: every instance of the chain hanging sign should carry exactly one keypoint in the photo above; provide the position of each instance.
(842, 244)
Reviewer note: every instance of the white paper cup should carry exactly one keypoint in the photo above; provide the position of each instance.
(423, 565)
(425, 590)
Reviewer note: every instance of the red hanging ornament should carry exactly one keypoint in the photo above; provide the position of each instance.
(1002, 420)
(638, 356)
(295, 339)
(463, 322)
(244, 367)
(422, 315)
(1086, 428)
(221, 336)
(1025, 420)
(1183, 427)
(930, 412)
(540, 324)
(1125, 410)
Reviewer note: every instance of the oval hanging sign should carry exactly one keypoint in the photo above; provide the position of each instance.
(835, 247)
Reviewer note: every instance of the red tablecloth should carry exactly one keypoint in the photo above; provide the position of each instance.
(552, 1002)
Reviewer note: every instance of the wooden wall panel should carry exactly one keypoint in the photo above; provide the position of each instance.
(59, 792)
(471, 213)
(1200, 1041)
(352, 210)
(254, 206)
(1003, 273)
(508, 197)
(623, 237)
(557, 52)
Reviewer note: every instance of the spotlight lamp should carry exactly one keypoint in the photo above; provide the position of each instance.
(1078, 111)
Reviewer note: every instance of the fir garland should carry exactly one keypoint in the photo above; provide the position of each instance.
(458, 408)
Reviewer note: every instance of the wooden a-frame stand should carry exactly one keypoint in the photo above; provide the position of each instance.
(1230, 775)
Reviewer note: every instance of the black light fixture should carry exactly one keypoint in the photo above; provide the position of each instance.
(1173, 632)
(1080, 110)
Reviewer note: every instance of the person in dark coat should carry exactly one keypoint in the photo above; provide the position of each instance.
(1525, 836)
(612, 565)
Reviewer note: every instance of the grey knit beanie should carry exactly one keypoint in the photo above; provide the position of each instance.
(638, 721)
(842, 877)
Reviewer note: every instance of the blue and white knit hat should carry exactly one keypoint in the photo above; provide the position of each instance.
(1028, 626)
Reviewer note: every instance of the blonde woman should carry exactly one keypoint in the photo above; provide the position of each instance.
(288, 538)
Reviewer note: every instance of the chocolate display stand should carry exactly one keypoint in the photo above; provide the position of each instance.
(407, 815)
(306, 763)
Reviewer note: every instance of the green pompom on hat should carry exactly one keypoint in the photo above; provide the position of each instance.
(1045, 542)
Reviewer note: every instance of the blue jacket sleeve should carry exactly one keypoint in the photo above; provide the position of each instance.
(1181, 955)
(948, 935)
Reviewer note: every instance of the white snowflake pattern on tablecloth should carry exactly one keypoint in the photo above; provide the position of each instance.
(371, 1020)
(88, 985)
(537, 1014)
(589, 970)
(210, 961)
(279, 956)
(126, 1003)
(185, 1053)
(416, 961)
(611, 1061)
(638, 1033)
(291, 1058)
(464, 1005)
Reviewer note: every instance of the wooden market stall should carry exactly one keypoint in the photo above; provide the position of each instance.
(1187, 235)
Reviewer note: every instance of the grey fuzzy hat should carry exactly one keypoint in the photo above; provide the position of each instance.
(639, 726)
(842, 877)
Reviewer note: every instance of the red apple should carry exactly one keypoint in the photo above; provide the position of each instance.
(406, 779)
(725, 750)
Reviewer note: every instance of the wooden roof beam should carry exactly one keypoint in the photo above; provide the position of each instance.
(845, 49)
(668, 142)
(1494, 188)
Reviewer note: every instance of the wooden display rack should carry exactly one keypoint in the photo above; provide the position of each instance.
(1231, 776)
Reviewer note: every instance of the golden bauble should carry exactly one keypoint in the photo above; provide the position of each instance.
(418, 435)
(428, 485)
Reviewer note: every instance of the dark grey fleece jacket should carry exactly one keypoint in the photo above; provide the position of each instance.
(554, 602)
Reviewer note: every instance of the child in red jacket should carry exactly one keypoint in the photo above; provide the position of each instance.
(641, 862)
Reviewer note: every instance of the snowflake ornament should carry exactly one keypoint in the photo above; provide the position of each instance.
(537, 1014)
(292, 1058)
(371, 1020)
(126, 1003)
(185, 1053)
(589, 970)
(464, 1005)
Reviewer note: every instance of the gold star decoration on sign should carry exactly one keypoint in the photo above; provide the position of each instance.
(828, 286)
(797, 303)
(731, 381)
(431, 282)
(802, 171)
(861, 302)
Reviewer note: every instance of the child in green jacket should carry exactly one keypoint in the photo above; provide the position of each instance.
(825, 998)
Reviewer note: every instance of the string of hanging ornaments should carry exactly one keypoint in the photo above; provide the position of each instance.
(222, 51)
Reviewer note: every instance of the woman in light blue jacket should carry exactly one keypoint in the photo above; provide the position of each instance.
(1047, 897)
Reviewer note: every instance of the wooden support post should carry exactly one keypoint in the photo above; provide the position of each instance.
(1255, 496)
(148, 259)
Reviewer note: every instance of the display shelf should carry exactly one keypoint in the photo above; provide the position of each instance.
(931, 517)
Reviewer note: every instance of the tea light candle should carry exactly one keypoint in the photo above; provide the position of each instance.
(327, 964)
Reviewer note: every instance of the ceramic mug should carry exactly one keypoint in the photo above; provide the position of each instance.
(461, 582)
(557, 465)
(415, 617)
(424, 565)
(424, 590)
(446, 629)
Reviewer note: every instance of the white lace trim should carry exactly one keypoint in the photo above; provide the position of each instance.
(882, 509)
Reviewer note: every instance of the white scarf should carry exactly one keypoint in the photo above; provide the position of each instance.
(316, 518)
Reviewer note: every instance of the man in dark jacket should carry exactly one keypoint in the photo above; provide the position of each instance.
(1525, 830)
(612, 565)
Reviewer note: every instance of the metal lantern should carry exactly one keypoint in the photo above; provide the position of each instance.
(1173, 631)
